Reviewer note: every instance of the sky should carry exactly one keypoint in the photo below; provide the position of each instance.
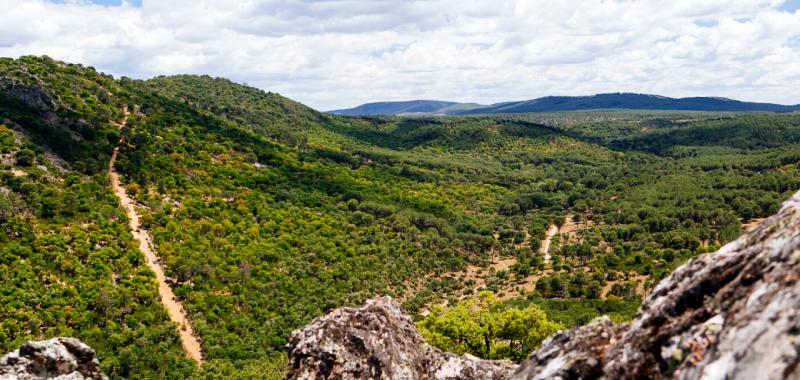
(341, 53)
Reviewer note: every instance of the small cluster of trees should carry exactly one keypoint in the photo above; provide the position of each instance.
(568, 285)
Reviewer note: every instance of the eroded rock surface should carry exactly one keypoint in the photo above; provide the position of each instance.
(732, 314)
(57, 358)
(572, 354)
(378, 341)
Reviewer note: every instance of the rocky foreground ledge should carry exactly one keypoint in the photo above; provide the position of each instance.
(732, 314)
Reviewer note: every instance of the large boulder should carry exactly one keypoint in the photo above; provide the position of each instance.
(32, 96)
(378, 341)
(57, 358)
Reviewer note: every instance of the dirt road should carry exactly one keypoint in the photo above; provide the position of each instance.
(175, 310)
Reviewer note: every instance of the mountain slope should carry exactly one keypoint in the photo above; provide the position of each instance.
(68, 263)
(731, 314)
(567, 103)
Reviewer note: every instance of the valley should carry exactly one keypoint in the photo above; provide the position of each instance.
(217, 218)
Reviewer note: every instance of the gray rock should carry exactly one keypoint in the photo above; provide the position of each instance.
(571, 354)
(57, 358)
(378, 342)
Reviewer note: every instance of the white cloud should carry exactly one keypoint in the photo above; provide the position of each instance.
(340, 53)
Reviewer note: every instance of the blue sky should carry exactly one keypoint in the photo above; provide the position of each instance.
(340, 53)
(791, 5)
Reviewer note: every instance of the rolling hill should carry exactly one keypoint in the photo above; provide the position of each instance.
(569, 103)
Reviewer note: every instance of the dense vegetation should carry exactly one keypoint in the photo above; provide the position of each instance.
(267, 214)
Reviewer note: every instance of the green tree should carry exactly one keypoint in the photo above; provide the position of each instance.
(480, 327)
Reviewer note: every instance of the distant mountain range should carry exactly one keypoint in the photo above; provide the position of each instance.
(565, 103)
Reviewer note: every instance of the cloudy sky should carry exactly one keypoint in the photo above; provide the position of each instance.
(331, 54)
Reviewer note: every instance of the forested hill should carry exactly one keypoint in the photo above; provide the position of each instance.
(266, 213)
(631, 101)
(623, 101)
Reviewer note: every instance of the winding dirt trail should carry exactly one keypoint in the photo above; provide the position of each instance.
(175, 310)
(545, 248)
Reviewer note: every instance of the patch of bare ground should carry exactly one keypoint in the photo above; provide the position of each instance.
(476, 276)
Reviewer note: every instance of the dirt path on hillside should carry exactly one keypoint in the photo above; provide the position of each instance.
(520, 287)
(175, 310)
(545, 248)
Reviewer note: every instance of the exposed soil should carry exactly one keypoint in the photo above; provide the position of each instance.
(545, 248)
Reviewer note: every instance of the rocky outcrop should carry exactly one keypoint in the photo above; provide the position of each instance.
(732, 314)
(58, 358)
(378, 342)
(33, 96)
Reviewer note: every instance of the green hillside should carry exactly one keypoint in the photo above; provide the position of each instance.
(267, 214)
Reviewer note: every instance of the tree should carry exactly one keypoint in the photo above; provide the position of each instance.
(559, 221)
(584, 252)
(578, 283)
(480, 327)
(594, 290)
(557, 287)
(543, 287)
